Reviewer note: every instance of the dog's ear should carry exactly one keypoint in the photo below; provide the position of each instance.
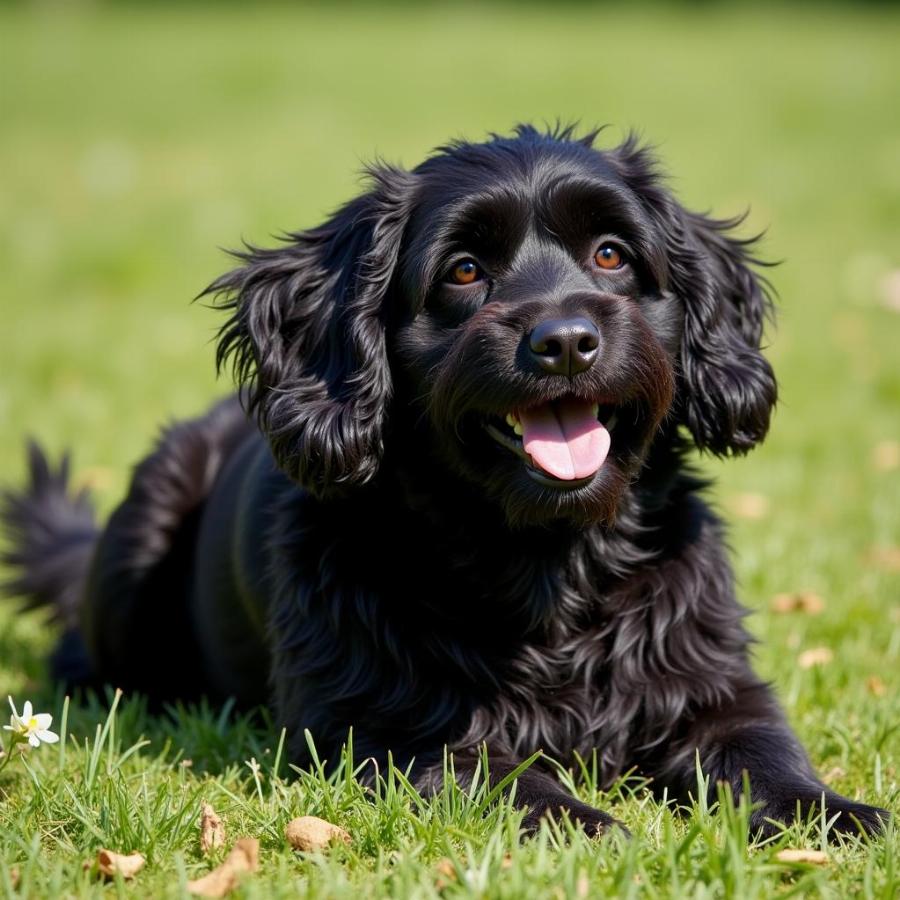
(306, 336)
(727, 389)
(729, 386)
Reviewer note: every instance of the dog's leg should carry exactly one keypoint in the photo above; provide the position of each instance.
(751, 736)
(538, 793)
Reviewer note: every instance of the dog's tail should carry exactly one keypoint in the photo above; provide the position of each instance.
(51, 535)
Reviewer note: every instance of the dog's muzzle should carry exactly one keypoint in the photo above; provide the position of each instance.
(563, 442)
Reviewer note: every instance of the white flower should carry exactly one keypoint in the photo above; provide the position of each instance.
(31, 727)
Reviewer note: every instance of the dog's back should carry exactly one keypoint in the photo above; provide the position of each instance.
(134, 577)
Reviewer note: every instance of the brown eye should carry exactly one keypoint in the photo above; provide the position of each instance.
(466, 271)
(609, 257)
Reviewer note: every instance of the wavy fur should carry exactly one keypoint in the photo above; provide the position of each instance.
(360, 552)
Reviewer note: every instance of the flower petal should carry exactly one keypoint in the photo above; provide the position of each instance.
(33, 740)
(12, 706)
(48, 737)
(43, 720)
(26, 711)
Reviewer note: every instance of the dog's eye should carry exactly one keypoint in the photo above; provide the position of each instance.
(609, 257)
(466, 271)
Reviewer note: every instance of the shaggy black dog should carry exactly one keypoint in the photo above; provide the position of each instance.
(453, 509)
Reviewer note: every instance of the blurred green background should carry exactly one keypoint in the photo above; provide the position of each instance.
(135, 141)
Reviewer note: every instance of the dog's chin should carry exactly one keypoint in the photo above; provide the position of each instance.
(531, 487)
(531, 498)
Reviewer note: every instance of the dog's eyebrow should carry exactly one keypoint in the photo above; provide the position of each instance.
(575, 206)
(492, 220)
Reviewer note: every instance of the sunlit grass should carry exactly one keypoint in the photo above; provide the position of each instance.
(135, 142)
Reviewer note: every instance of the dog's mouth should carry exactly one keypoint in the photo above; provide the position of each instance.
(563, 442)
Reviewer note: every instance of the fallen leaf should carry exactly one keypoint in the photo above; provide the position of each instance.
(212, 830)
(889, 288)
(95, 478)
(833, 774)
(582, 885)
(886, 456)
(876, 686)
(817, 656)
(446, 873)
(313, 833)
(813, 857)
(749, 505)
(798, 601)
(110, 863)
(14, 877)
(887, 558)
(506, 862)
(243, 858)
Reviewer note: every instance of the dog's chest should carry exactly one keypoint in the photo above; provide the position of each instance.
(562, 695)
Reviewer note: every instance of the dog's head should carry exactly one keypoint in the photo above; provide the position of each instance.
(529, 313)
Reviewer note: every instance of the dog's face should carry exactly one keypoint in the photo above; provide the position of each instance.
(527, 313)
(534, 325)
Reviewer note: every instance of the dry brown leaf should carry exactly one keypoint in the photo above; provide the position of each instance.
(889, 288)
(813, 857)
(817, 656)
(506, 862)
(582, 885)
(242, 859)
(95, 478)
(749, 505)
(212, 829)
(446, 873)
(876, 686)
(14, 877)
(445, 866)
(313, 833)
(887, 558)
(798, 601)
(833, 774)
(886, 456)
(110, 863)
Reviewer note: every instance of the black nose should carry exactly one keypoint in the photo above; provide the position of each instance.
(565, 346)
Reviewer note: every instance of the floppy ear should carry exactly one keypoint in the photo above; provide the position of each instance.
(729, 386)
(306, 336)
(727, 389)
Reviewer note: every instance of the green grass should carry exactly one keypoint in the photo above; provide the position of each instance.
(134, 142)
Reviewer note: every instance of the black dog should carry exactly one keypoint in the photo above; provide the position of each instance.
(459, 512)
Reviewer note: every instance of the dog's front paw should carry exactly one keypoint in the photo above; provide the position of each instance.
(594, 822)
(849, 816)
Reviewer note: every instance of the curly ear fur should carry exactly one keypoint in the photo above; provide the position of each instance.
(727, 387)
(306, 336)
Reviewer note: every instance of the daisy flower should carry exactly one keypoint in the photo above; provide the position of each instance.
(30, 726)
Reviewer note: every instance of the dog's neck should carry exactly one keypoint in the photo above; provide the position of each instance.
(440, 517)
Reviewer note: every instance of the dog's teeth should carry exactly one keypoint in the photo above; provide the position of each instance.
(611, 422)
(595, 409)
(517, 428)
(511, 420)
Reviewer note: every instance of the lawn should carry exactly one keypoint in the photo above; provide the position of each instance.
(135, 142)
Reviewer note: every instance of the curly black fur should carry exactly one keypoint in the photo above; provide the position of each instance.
(361, 552)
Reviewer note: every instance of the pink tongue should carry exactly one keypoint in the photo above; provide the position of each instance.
(564, 438)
